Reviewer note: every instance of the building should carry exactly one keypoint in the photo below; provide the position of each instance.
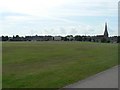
(70, 38)
(102, 38)
(57, 38)
(47, 38)
(37, 38)
(106, 31)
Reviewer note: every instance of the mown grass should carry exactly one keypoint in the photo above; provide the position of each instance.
(54, 64)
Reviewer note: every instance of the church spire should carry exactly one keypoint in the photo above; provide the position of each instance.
(106, 31)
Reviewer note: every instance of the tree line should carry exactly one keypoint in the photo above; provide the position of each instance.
(65, 38)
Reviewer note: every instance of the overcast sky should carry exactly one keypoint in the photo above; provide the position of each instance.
(58, 17)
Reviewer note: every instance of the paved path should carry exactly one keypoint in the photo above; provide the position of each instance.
(105, 79)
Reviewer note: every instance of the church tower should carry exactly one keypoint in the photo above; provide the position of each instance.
(106, 31)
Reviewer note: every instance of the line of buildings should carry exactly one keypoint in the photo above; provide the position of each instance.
(99, 38)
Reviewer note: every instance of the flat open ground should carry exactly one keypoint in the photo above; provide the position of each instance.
(54, 64)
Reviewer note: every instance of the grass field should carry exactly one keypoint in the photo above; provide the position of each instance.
(54, 64)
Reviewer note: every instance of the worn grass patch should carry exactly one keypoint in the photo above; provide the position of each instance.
(54, 64)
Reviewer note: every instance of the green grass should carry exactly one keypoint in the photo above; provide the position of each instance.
(54, 64)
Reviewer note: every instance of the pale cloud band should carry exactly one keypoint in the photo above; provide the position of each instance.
(42, 16)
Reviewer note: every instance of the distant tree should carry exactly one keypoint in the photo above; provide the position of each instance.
(78, 38)
(65, 38)
(118, 39)
(84, 38)
(5, 38)
(16, 38)
(69, 37)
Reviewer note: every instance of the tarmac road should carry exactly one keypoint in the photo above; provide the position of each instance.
(105, 79)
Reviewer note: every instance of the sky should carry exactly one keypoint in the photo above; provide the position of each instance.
(58, 17)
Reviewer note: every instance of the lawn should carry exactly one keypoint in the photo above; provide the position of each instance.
(54, 64)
